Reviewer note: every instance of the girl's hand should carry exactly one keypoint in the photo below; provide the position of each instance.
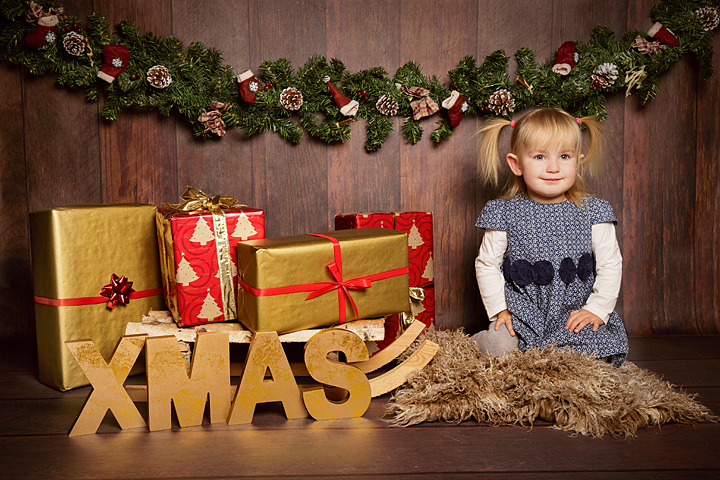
(579, 319)
(505, 317)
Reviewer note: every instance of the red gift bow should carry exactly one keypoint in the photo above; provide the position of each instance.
(321, 288)
(119, 290)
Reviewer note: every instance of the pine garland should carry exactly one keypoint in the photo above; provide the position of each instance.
(198, 77)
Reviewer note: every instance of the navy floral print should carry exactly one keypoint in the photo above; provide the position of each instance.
(549, 271)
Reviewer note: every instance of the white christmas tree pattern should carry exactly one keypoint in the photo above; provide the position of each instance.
(414, 238)
(233, 270)
(185, 274)
(202, 233)
(244, 229)
(210, 308)
(429, 272)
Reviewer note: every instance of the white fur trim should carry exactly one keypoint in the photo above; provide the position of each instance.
(244, 76)
(562, 68)
(350, 109)
(450, 101)
(654, 29)
(104, 76)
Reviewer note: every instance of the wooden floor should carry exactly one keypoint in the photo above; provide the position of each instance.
(36, 420)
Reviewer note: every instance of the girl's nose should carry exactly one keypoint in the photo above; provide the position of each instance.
(553, 165)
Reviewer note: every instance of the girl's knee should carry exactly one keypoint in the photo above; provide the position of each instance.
(495, 342)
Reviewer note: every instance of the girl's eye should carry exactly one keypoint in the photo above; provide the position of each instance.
(565, 156)
(539, 157)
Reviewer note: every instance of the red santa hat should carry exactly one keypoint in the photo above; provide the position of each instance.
(565, 58)
(665, 35)
(455, 104)
(347, 107)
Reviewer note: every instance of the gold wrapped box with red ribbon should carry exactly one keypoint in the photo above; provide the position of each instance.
(306, 281)
(95, 268)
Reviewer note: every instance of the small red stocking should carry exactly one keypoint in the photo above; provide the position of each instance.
(249, 86)
(116, 61)
(455, 104)
(44, 32)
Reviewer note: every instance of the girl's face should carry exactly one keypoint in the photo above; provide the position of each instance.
(548, 172)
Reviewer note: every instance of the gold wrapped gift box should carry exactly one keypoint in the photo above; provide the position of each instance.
(365, 267)
(75, 252)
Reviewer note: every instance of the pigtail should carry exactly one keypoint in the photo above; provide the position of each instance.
(595, 145)
(489, 158)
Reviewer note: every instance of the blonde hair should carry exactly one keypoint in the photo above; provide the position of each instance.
(540, 129)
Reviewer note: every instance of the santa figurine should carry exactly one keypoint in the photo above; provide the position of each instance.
(347, 107)
(565, 58)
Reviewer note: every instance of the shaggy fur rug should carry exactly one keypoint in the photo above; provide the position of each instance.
(574, 392)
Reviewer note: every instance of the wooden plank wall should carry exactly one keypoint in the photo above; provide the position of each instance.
(661, 174)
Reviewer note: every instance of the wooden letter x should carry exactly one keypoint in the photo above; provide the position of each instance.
(107, 381)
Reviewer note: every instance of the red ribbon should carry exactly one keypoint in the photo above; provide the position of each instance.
(119, 290)
(320, 288)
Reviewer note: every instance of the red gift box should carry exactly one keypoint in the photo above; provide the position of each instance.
(423, 310)
(192, 279)
(418, 226)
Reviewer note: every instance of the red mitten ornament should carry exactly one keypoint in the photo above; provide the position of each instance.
(249, 86)
(455, 104)
(665, 35)
(565, 58)
(44, 32)
(116, 61)
(347, 107)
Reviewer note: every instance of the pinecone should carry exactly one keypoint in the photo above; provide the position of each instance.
(291, 98)
(709, 17)
(387, 105)
(605, 75)
(159, 76)
(501, 102)
(74, 43)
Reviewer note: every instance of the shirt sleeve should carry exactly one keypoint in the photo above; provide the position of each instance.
(488, 271)
(609, 271)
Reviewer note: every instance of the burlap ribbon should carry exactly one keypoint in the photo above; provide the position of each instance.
(425, 105)
(195, 199)
(213, 119)
(34, 12)
(647, 47)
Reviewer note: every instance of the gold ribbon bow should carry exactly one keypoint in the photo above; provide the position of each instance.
(34, 12)
(212, 119)
(195, 199)
(424, 106)
(407, 318)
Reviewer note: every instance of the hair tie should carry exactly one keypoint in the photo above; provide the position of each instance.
(579, 120)
(512, 123)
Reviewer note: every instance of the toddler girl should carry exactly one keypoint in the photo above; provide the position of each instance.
(549, 267)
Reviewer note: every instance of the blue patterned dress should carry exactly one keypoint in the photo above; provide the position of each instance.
(549, 271)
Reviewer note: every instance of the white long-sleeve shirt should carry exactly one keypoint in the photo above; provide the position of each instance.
(607, 279)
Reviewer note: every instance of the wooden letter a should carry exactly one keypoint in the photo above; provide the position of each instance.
(266, 353)
(107, 380)
(168, 380)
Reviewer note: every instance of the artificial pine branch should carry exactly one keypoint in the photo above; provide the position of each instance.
(199, 76)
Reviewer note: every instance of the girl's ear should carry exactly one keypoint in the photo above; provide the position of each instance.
(514, 163)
